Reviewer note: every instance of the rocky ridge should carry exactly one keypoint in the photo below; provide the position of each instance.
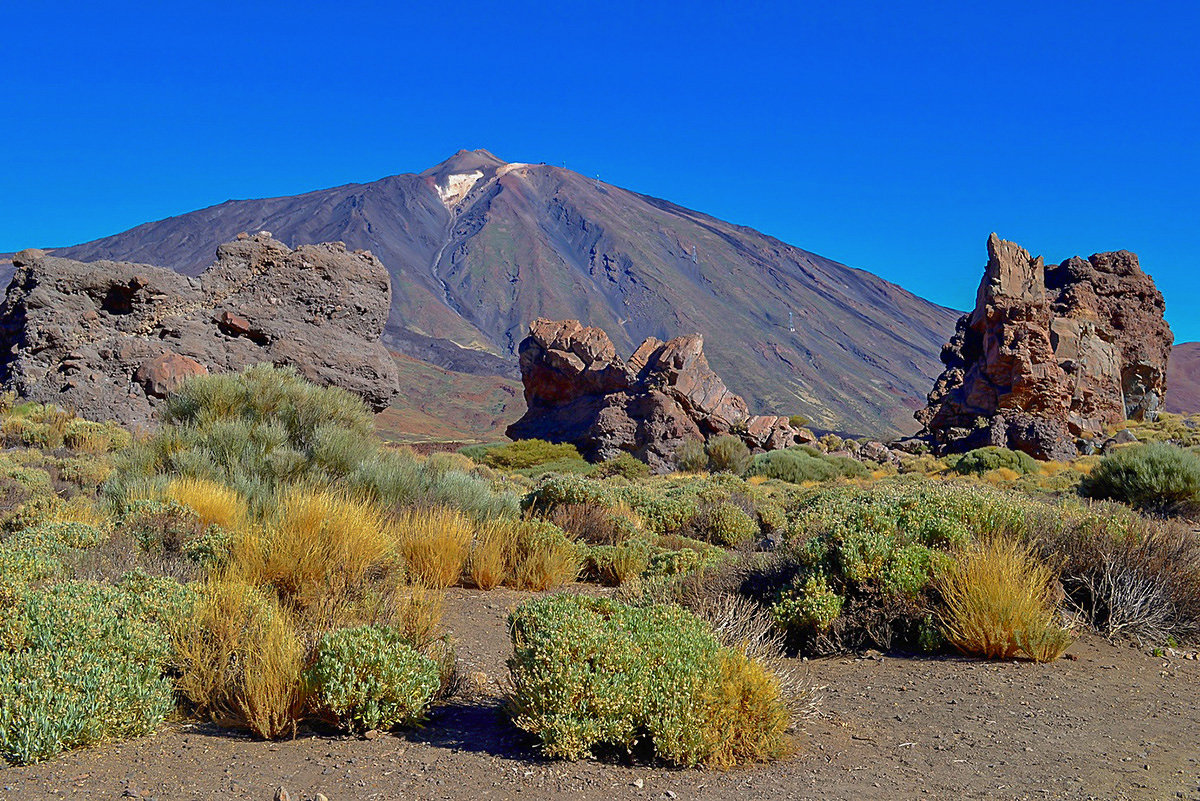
(111, 339)
(578, 390)
(1050, 356)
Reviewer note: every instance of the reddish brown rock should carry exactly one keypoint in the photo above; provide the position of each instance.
(1050, 355)
(163, 374)
(578, 390)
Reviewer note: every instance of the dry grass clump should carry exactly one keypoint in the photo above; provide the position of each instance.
(215, 504)
(545, 559)
(999, 600)
(434, 543)
(491, 554)
(240, 659)
(522, 554)
(317, 543)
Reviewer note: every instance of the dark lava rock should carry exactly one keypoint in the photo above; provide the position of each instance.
(110, 339)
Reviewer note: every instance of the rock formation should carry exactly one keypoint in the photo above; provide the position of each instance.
(110, 339)
(1050, 356)
(578, 390)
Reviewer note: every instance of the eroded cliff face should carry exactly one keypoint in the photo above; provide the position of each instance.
(1050, 355)
(579, 390)
(110, 339)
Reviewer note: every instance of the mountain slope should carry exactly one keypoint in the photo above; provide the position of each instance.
(1183, 379)
(477, 248)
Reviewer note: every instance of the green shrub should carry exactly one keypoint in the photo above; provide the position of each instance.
(590, 673)
(810, 605)
(556, 490)
(690, 456)
(370, 678)
(728, 454)
(616, 564)
(531, 454)
(83, 663)
(981, 460)
(1154, 477)
(725, 523)
(798, 421)
(626, 465)
(799, 465)
(878, 550)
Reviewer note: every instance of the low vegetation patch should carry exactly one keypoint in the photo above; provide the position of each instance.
(590, 675)
(1154, 477)
(998, 600)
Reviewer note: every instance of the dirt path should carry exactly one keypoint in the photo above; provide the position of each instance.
(1114, 723)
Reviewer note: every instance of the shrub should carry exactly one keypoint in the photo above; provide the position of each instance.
(725, 523)
(798, 421)
(491, 554)
(614, 565)
(625, 465)
(596, 525)
(982, 460)
(690, 456)
(81, 663)
(434, 544)
(1127, 574)
(96, 438)
(213, 503)
(544, 558)
(589, 673)
(557, 490)
(1154, 477)
(831, 442)
(317, 546)
(998, 600)
(370, 678)
(728, 454)
(535, 455)
(813, 605)
(240, 659)
(798, 466)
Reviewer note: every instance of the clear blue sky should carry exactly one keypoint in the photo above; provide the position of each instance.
(889, 136)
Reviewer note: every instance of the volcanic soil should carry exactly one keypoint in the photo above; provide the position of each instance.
(1109, 722)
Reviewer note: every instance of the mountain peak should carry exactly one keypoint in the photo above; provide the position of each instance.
(465, 161)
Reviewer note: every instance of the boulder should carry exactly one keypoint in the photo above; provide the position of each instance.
(163, 374)
(578, 390)
(111, 339)
(1050, 355)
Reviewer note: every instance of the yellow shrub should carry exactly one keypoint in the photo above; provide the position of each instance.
(747, 718)
(79, 509)
(999, 601)
(491, 553)
(1001, 476)
(240, 659)
(418, 615)
(434, 544)
(317, 545)
(543, 558)
(215, 503)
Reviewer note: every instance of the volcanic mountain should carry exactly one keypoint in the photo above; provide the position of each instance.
(1183, 379)
(477, 248)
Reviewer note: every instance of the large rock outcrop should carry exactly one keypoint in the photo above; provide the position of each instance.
(110, 339)
(1050, 355)
(579, 390)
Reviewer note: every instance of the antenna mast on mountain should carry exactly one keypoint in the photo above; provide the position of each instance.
(791, 322)
(695, 258)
